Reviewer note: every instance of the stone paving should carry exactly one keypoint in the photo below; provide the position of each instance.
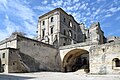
(56, 76)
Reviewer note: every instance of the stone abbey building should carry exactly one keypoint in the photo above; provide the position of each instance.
(62, 45)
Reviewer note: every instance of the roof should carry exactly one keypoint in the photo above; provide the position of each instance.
(58, 9)
(15, 37)
(9, 48)
(11, 38)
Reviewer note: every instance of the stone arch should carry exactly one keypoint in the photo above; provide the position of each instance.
(76, 59)
(116, 62)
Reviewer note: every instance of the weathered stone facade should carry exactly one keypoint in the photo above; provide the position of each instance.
(32, 54)
(62, 45)
(59, 28)
(104, 59)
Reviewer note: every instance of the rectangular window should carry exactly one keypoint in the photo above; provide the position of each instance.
(74, 27)
(43, 23)
(43, 33)
(3, 56)
(51, 30)
(64, 19)
(74, 36)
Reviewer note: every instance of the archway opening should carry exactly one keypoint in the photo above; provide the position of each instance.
(77, 59)
(116, 62)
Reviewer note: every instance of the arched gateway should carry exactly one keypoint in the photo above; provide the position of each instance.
(76, 59)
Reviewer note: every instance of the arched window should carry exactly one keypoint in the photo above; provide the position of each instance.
(116, 62)
(51, 19)
(70, 33)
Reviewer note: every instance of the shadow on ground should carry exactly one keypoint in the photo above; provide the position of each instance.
(13, 77)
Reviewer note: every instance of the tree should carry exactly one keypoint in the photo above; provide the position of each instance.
(18, 33)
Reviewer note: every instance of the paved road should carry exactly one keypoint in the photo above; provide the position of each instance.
(56, 76)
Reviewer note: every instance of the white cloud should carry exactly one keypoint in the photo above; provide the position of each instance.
(82, 6)
(97, 12)
(88, 13)
(57, 3)
(45, 2)
(75, 1)
(44, 8)
(93, 8)
(22, 12)
(4, 3)
(9, 28)
(85, 11)
(108, 15)
(100, 0)
(114, 9)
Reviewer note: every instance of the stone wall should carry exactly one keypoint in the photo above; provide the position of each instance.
(50, 28)
(102, 56)
(96, 34)
(32, 55)
(15, 62)
(4, 60)
(37, 55)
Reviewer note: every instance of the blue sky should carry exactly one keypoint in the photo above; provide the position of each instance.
(22, 15)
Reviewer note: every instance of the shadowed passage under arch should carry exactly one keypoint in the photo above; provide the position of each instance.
(76, 59)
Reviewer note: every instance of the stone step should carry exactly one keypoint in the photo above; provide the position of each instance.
(81, 71)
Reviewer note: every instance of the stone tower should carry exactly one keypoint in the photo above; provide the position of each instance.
(59, 28)
(96, 35)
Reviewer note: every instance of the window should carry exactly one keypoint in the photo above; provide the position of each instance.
(64, 19)
(74, 27)
(13, 63)
(46, 39)
(51, 37)
(51, 30)
(64, 32)
(51, 19)
(70, 24)
(3, 55)
(70, 33)
(74, 36)
(43, 33)
(116, 62)
(63, 44)
(43, 23)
